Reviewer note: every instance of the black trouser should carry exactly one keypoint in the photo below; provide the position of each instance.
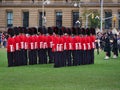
(10, 56)
(75, 57)
(26, 57)
(84, 57)
(80, 57)
(60, 59)
(115, 51)
(65, 57)
(31, 57)
(56, 60)
(92, 56)
(17, 58)
(50, 55)
(35, 56)
(69, 54)
(22, 57)
(89, 57)
(40, 56)
(45, 56)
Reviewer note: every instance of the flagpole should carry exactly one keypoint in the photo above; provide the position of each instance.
(101, 22)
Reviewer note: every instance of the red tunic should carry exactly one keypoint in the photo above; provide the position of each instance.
(79, 43)
(75, 42)
(26, 42)
(35, 42)
(92, 38)
(55, 42)
(84, 43)
(45, 42)
(40, 41)
(50, 41)
(31, 44)
(11, 44)
(22, 41)
(70, 43)
(17, 43)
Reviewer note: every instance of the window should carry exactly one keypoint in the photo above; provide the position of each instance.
(59, 19)
(119, 20)
(40, 18)
(108, 20)
(75, 16)
(25, 19)
(9, 19)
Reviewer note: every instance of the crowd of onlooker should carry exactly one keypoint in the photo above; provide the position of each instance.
(3, 39)
(114, 39)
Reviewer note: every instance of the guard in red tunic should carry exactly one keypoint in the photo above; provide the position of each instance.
(22, 46)
(75, 46)
(50, 45)
(35, 45)
(88, 40)
(26, 46)
(84, 46)
(45, 45)
(10, 48)
(55, 48)
(40, 46)
(31, 47)
(92, 37)
(17, 47)
(69, 47)
(80, 58)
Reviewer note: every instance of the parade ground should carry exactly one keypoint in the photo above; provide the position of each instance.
(103, 75)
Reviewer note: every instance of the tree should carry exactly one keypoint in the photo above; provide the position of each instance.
(93, 18)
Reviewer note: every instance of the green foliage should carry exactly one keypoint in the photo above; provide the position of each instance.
(93, 19)
(103, 75)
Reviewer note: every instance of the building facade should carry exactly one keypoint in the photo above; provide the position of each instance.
(29, 13)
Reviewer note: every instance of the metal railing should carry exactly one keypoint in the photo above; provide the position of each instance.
(54, 3)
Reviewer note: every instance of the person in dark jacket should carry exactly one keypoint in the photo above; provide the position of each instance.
(115, 47)
(107, 47)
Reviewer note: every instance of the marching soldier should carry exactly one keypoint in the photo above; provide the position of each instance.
(22, 46)
(107, 47)
(115, 47)
(92, 38)
(55, 48)
(80, 56)
(45, 45)
(17, 47)
(50, 44)
(10, 48)
(31, 46)
(35, 44)
(26, 45)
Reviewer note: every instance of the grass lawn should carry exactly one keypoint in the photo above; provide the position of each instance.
(103, 75)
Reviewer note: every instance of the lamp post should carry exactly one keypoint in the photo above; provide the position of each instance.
(101, 15)
(43, 10)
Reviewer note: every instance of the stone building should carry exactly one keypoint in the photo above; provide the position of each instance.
(29, 13)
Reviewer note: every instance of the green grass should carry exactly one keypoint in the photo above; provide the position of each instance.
(103, 75)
